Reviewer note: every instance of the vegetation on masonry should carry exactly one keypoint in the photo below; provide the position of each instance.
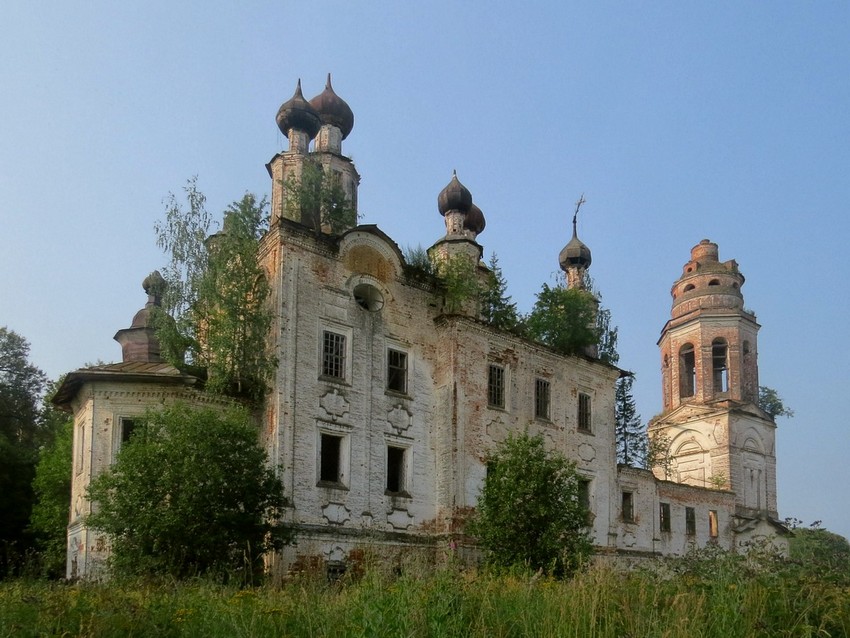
(190, 493)
(458, 277)
(317, 199)
(215, 318)
(770, 401)
(528, 513)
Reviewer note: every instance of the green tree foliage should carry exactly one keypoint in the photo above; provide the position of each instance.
(52, 485)
(820, 553)
(215, 316)
(771, 402)
(497, 309)
(22, 431)
(629, 431)
(564, 319)
(317, 199)
(658, 455)
(528, 511)
(459, 278)
(190, 493)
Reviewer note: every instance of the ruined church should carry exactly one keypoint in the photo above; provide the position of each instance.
(386, 402)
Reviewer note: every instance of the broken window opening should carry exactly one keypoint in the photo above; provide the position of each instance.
(719, 367)
(396, 468)
(128, 427)
(397, 371)
(687, 371)
(541, 399)
(368, 297)
(584, 412)
(496, 386)
(584, 499)
(330, 470)
(628, 507)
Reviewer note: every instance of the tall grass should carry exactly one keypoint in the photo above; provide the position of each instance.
(727, 602)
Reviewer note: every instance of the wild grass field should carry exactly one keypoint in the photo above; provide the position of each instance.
(722, 597)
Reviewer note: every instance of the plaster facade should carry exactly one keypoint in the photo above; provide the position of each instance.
(385, 404)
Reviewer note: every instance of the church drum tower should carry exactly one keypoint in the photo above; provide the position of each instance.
(716, 434)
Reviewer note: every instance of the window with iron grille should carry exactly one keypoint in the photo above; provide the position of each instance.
(333, 355)
(584, 412)
(664, 517)
(690, 521)
(496, 386)
(396, 371)
(541, 399)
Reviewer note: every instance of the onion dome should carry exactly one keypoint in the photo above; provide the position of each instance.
(455, 196)
(575, 253)
(333, 110)
(298, 114)
(474, 220)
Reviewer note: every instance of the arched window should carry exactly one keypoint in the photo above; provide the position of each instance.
(687, 371)
(719, 366)
(689, 287)
(714, 282)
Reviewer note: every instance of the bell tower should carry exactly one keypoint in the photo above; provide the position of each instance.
(715, 434)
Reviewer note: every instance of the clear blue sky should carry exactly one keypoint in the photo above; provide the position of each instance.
(678, 121)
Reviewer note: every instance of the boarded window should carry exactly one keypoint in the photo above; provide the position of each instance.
(713, 529)
(690, 521)
(541, 399)
(584, 414)
(628, 507)
(496, 386)
(396, 371)
(333, 355)
(664, 517)
(396, 461)
(330, 470)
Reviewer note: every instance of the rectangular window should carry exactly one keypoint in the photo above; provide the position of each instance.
(81, 446)
(127, 428)
(628, 507)
(541, 399)
(690, 521)
(664, 517)
(396, 469)
(496, 386)
(584, 498)
(583, 412)
(713, 530)
(397, 371)
(330, 459)
(333, 355)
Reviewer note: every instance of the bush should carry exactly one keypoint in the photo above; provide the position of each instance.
(529, 512)
(190, 493)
